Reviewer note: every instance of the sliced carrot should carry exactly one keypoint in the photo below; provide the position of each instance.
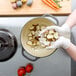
(49, 4)
(53, 3)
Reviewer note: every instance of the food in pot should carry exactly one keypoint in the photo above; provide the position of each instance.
(33, 36)
(52, 35)
(49, 37)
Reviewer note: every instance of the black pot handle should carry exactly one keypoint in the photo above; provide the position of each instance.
(29, 57)
(52, 18)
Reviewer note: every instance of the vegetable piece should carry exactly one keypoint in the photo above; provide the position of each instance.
(29, 43)
(30, 38)
(56, 35)
(38, 28)
(45, 1)
(29, 34)
(29, 2)
(53, 3)
(34, 42)
(19, 3)
(23, 1)
(13, 1)
(38, 43)
(56, 1)
(29, 68)
(49, 36)
(21, 71)
(31, 28)
(32, 32)
(51, 32)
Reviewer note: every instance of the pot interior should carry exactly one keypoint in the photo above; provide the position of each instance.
(37, 51)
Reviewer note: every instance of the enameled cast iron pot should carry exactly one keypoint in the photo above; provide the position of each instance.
(35, 53)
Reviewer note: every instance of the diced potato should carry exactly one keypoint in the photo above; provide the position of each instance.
(34, 44)
(56, 35)
(38, 43)
(32, 27)
(38, 28)
(33, 37)
(29, 34)
(29, 43)
(51, 32)
(37, 33)
(32, 32)
(46, 33)
(49, 36)
(30, 38)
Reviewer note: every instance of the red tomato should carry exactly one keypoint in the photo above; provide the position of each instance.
(29, 68)
(21, 71)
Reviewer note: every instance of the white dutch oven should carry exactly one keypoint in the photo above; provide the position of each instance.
(39, 51)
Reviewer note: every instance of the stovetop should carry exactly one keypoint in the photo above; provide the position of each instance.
(8, 45)
(58, 64)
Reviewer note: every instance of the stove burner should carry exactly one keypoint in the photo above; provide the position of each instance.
(8, 45)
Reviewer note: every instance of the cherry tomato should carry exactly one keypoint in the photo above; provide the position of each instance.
(21, 71)
(29, 68)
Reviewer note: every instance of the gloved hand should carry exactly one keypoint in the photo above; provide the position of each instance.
(64, 29)
(61, 42)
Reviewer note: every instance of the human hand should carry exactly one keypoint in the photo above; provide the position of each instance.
(71, 20)
(61, 42)
(64, 29)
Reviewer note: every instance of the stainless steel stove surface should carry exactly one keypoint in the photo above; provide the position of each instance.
(58, 64)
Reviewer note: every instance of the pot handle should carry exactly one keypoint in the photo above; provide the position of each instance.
(54, 19)
(31, 58)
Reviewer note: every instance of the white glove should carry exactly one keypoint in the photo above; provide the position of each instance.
(64, 29)
(61, 42)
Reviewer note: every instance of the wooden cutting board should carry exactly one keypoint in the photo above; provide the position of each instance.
(37, 8)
